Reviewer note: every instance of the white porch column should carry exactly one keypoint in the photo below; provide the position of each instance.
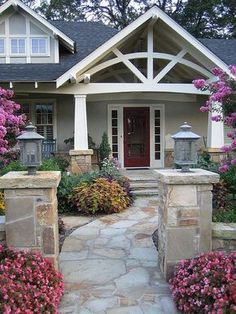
(80, 155)
(80, 126)
(215, 134)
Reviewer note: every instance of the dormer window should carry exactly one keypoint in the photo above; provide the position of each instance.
(39, 46)
(2, 46)
(18, 46)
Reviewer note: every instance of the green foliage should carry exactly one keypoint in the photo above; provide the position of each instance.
(62, 163)
(49, 165)
(227, 215)
(105, 148)
(109, 168)
(14, 165)
(65, 188)
(205, 162)
(101, 196)
(2, 204)
(229, 178)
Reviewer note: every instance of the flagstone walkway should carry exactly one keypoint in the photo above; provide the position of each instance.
(110, 265)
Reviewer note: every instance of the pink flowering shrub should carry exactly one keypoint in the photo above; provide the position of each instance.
(206, 284)
(222, 104)
(28, 283)
(10, 121)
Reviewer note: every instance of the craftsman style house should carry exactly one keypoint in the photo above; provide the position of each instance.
(80, 78)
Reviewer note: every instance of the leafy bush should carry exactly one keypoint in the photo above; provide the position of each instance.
(105, 148)
(229, 178)
(65, 188)
(110, 168)
(100, 196)
(49, 165)
(62, 163)
(14, 165)
(227, 214)
(206, 284)
(2, 204)
(28, 283)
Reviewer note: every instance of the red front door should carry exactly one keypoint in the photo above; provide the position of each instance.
(136, 137)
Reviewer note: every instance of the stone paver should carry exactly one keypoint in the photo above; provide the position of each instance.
(110, 266)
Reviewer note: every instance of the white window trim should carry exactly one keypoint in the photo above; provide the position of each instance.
(119, 107)
(47, 53)
(4, 51)
(33, 102)
(20, 54)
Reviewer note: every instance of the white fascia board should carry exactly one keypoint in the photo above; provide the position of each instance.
(68, 42)
(151, 13)
(192, 40)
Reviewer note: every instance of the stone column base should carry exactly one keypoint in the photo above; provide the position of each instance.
(216, 154)
(80, 161)
(185, 216)
(31, 212)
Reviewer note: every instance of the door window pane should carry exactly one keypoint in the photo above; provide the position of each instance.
(114, 122)
(157, 135)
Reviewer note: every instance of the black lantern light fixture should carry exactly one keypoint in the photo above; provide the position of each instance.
(30, 143)
(185, 150)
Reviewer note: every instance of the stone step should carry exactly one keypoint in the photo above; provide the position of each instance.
(143, 185)
(145, 192)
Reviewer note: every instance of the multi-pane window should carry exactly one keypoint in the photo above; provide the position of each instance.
(25, 109)
(157, 134)
(18, 46)
(39, 45)
(114, 125)
(2, 45)
(44, 120)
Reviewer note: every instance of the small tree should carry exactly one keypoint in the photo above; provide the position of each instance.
(222, 104)
(11, 122)
(105, 148)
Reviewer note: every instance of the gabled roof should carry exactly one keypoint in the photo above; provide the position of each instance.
(87, 36)
(120, 37)
(67, 41)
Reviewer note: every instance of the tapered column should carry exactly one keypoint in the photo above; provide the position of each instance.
(80, 155)
(215, 136)
(81, 129)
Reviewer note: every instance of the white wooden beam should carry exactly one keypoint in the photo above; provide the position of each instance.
(80, 123)
(129, 65)
(150, 51)
(215, 133)
(169, 66)
(100, 88)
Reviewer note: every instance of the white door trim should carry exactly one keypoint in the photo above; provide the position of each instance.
(119, 107)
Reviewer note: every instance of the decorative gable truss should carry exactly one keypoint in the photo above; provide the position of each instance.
(152, 54)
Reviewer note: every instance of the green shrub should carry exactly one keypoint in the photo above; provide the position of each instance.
(229, 178)
(101, 196)
(14, 165)
(109, 168)
(2, 204)
(49, 165)
(105, 148)
(227, 214)
(62, 163)
(65, 188)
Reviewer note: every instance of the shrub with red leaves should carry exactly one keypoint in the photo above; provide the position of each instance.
(206, 284)
(28, 283)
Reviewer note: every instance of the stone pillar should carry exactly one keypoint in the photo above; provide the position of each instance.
(31, 212)
(80, 155)
(185, 215)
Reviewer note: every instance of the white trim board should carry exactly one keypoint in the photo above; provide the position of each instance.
(120, 37)
(119, 107)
